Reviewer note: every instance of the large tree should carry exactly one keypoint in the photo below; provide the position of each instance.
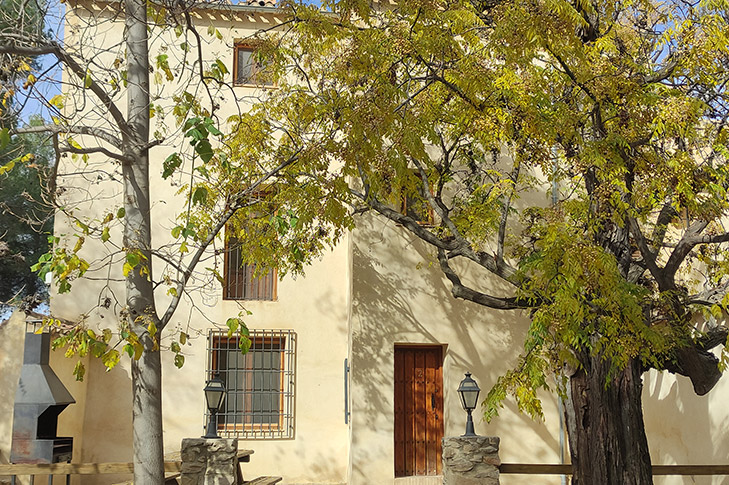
(101, 128)
(576, 150)
(24, 217)
(26, 220)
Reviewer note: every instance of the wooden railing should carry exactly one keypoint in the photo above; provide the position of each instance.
(550, 469)
(78, 468)
(173, 468)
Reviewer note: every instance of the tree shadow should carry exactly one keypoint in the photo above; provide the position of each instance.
(401, 297)
(684, 428)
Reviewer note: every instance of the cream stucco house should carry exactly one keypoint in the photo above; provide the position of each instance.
(324, 395)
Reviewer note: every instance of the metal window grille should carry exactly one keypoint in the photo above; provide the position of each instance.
(241, 280)
(260, 384)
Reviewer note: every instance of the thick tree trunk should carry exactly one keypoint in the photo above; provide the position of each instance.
(605, 424)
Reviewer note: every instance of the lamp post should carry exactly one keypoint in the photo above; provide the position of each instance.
(468, 392)
(214, 394)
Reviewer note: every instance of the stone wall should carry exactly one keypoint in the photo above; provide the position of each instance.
(471, 460)
(209, 461)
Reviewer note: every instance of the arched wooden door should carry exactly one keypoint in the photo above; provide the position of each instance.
(418, 410)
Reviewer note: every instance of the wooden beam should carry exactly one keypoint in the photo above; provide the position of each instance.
(555, 469)
(535, 469)
(690, 469)
(77, 468)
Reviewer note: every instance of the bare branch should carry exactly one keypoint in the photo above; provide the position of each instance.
(77, 130)
(459, 290)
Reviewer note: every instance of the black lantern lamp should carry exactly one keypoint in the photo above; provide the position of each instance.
(468, 391)
(214, 394)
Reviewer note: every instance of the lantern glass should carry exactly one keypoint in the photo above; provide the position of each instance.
(468, 391)
(214, 393)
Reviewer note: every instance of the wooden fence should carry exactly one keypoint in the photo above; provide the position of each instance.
(172, 468)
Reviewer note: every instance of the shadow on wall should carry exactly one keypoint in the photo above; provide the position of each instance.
(12, 335)
(684, 428)
(401, 296)
(104, 416)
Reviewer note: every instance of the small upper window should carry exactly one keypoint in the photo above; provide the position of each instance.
(246, 70)
(244, 281)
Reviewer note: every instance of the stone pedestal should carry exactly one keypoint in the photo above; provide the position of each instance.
(471, 460)
(209, 462)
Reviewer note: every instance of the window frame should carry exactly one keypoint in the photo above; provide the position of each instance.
(255, 67)
(219, 342)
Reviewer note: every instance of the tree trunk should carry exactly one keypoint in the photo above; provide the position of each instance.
(147, 417)
(605, 424)
(141, 311)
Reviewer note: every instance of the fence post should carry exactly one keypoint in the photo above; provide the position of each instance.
(209, 461)
(471, 460)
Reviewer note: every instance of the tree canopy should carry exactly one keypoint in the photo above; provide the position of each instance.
(574, 149)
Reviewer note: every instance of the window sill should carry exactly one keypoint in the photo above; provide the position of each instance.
(255, 86)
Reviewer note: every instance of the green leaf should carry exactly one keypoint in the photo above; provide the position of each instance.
(171, 164)
(175, 347)
(110, 359)
(133, 259)
(179, 361)
(79, 370)
(121, 212)
(223, 69)
(183, 338)
(4, 138)
(232, 324)
(88, 81)
(244, 343)
(205, 150)
(105, 234)
(199, 196)
(129, 349)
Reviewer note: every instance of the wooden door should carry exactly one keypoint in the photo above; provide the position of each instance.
(418, 410)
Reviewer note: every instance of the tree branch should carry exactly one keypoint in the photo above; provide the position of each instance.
(55, 49)
(459, 290)
(77, 130)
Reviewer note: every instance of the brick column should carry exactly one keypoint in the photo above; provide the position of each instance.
(209, 462)
(471, 460)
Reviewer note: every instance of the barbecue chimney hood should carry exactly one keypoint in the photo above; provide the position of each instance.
(40, 398)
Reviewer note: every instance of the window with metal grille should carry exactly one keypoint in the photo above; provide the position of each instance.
(242, 281)
(259, 399)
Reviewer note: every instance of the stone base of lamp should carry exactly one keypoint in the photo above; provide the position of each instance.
(471, 460)
(209, 461)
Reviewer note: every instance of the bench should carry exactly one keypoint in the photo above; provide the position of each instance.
(263, 481)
